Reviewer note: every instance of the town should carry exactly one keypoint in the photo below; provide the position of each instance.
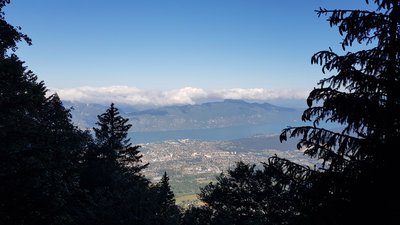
(191, 164)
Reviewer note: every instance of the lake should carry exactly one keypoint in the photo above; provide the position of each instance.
(212, 134)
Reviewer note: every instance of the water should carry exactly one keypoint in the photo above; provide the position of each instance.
(228, 133)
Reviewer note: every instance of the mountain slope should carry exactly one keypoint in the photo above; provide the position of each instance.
(229, 113)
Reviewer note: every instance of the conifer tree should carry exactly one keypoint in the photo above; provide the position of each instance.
(112, 139)
(39, 146)
(42, 170)
(362, 95)
(167, 211)
(165, 191)
(356, 181)
(112, 152)
(116, 191)
(112, 132)
(274, 194)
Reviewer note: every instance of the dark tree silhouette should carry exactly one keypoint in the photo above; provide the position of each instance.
(53, 173)
(115, 190)
(197, 216)
(9, 34)
(112, 152)
(113, 130)
(111, 138)
(273, 194)
(362, 95)
(39, 146)
(356, 181)
(166, 211)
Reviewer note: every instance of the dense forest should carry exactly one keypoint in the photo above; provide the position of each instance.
(51, 172)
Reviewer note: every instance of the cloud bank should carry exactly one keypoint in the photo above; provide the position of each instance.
(186, 95)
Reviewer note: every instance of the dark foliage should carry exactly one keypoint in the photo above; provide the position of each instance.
(112, 140)
(9, 35)
(359, 162)
(167, 212)
(111, 153)
(197, 216)
(269, 195)
(39, 146)
(356, 183)
(53, 173)
(116, 192)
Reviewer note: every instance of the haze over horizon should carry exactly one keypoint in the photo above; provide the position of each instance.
(175, 52)
(183, 96)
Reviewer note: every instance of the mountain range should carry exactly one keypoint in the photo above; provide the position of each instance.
(223, 114)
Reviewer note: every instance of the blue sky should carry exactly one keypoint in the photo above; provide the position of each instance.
(164, 45)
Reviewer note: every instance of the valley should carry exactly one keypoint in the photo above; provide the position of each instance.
(196, 143)
(192, 164)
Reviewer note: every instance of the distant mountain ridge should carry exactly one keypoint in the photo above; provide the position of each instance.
(227, 113)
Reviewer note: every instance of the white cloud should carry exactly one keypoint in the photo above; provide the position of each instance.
(186, 95)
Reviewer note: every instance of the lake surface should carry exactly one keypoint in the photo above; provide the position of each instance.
(224, 134)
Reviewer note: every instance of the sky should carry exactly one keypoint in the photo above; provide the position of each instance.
(161, 52)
